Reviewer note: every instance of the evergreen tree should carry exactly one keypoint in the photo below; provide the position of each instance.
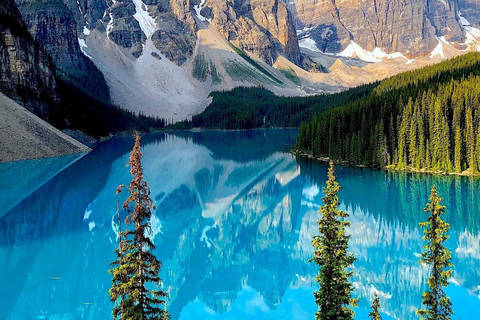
(375, 313)
(413, 146)
(436, 129)
(330, 253)
(458, 150)
(477, 151)
(470, 138)
(437, 305)
(136, 268)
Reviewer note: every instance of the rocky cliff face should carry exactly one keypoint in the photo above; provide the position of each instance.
(409, 27)
(27, 74)
(131, 23)
(52, 24)
(263, 27)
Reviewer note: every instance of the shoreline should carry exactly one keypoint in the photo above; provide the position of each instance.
(465, 173)
(25, 136)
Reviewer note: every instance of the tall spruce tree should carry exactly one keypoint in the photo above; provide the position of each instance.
(136, 269)
(375, 313)
(330, 253)
(437, 305)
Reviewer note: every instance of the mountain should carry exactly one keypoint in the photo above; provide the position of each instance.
(43, 69)
(53, 25)
(27, 72)
(412, 28)
(163, 58)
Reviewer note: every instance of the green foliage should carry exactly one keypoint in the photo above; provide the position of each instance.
(330, 253)
(216, 77)
(245, 56)
(203, 68)
(136, 266)
(437, 305)
(266, 109)
(200, 69)
(78, 110)
(291, 75)
(375, 313)
(241, 72)
(434, 130)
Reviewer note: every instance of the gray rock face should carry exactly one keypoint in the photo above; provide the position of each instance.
(27, 74)
(263, 27)
(87, 12)
(408, 27)
(471, 11)
(175, 35)
(174, 23)
(176, 43)
(52, 24)
(274, 17)
(122, 28)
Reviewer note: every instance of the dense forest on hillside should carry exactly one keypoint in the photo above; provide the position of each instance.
(246, 108)
(425, 120)
(78, 110)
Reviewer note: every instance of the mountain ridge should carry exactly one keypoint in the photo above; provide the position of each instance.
(163, 58)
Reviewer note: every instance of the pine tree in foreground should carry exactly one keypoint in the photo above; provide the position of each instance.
(330, 253)
(437, 305)
(375, 313)
(136, 269)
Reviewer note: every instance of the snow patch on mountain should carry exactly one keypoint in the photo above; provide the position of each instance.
(110, 22)
(147, 23)
(304, 30)
(308, 43)
(438, 51)
(378, 53)
(83, 46)
(355, 51)
(198, 9)
(463, 21)
(472, 34)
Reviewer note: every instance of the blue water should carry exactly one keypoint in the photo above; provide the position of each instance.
(234, 219)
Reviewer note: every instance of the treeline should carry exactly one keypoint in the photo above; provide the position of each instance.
(78, 110)
(247, 108)
(424, 120)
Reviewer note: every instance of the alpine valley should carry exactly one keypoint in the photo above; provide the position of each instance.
(163, 58)
(221, 206)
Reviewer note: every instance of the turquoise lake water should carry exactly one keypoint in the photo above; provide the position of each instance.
(235, 216)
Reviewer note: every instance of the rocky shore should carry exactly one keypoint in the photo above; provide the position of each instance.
(25, 136)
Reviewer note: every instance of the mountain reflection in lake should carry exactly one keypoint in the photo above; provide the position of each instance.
(235, 216)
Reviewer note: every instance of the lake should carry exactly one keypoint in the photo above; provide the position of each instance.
(234, 220)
